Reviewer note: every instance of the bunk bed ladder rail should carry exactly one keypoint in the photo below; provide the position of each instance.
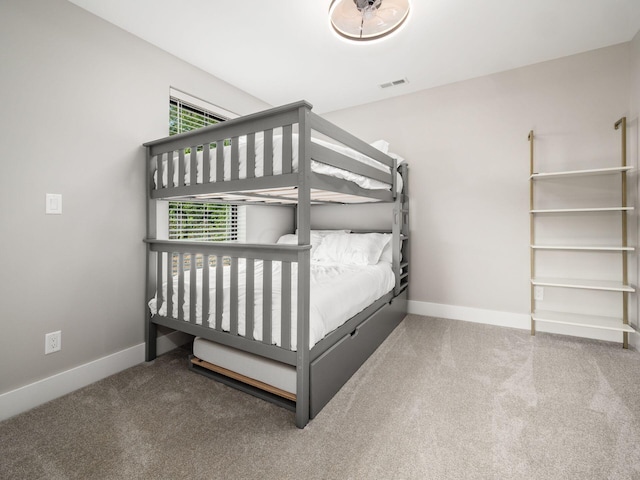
(400, 237)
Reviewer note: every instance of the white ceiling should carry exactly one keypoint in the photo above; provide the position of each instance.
(284, 50)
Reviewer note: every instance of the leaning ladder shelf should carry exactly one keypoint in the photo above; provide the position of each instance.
(622, 286)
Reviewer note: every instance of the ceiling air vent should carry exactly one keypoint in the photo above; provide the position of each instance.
(395, 83)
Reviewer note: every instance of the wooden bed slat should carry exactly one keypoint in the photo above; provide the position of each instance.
(249, 381)
(219, 291)
(285, 333)
(159, 171)
(268, 153)
(250, 314)
(251, 155)
(180, 286)
(193, 166)
(267, 300)
(169, 284)
(235, 159)
(193, 290)
(159, 277)
(206, 163)
(181, 168)
(287, 149)
(220, 161)
(233, 298)
(170, 170)
(205, 290)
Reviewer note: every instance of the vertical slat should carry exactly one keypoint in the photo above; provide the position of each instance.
(181, 167)
(205, 290)
(181, 286)
(193, 166)
(233, 298)
(267, 288)
(193, 287)
(251, 155)
(250, 300)
(287, 152)
(285, 324)
(170, 284)
(206, 163)
(268, 152)
(220, 161)
(219, 291)
(159, 280)
(160, 172)
(170, 169)
(235, 158)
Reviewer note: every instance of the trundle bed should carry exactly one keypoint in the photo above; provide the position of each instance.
(273, 319)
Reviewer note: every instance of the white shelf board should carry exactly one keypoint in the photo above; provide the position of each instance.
(584, 247)
(572, 210)
(579, 320)
(582, 284)
(580, 173)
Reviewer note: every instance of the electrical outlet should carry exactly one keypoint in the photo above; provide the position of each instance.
(538, 293)
(52, 342)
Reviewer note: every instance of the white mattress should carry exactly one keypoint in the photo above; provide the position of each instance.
(338, 292)
(316, 167)
(271, 372)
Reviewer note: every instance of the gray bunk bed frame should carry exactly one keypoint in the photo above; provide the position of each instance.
(323, 369)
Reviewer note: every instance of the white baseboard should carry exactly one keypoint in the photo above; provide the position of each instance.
(37, 393)
(512, 320)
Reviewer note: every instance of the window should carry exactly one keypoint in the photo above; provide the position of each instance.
(191, 220)
(203, 221)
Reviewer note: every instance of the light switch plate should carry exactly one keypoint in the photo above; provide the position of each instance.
(54, 204)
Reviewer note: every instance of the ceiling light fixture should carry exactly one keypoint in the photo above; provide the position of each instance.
(367, 19)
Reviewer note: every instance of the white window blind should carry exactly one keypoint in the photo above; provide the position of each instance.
(199, 221)
(203, 221)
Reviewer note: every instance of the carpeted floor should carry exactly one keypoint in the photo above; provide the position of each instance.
(439, 400)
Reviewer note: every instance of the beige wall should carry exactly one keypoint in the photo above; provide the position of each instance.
(467, 148)
(79, 97)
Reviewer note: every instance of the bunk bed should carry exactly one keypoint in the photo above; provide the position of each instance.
(283, 156)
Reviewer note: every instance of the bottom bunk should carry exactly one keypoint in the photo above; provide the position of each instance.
(285, 322)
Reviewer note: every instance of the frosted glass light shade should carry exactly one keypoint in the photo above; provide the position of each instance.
(367, 19)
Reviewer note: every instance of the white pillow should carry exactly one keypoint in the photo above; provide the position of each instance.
(288, 239)
(381, 145)
(387, 251)
(353, 249)
(292, 239)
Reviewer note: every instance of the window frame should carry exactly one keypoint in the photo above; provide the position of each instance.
(235, 229)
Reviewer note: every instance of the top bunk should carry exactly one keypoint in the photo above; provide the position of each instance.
(281, 156)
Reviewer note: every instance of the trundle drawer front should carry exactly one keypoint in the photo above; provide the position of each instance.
(331, 371)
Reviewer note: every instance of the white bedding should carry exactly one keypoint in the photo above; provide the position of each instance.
(364, 182)
(338, 292)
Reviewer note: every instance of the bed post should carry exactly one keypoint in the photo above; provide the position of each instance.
(303, 220)
(150, 328)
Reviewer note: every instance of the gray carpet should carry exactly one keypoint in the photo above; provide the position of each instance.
(438, 400)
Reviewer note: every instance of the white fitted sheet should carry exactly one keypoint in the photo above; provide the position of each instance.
(338, 292)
